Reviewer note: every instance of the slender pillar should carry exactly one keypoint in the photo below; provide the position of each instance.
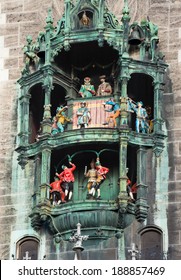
(101, 14)
(45, 174)
(46, 124)
(37, 179)
(141, 202)
(49, 30)
(67, 25)
(125, 20)
(158, 93)
(47, 86)
(124, 102)
(121, 246)
(24, 118)
(124, 130)
(67, 15)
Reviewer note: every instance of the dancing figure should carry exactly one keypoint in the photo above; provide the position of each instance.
(68, 179)
(115, 108)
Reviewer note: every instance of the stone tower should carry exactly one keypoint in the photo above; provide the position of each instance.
(138, 51)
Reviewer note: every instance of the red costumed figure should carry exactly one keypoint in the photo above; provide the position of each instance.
(57, 192)
(68, 180)
(134, 190)
(129, 189)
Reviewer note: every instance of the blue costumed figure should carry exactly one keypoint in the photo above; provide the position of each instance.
(141, 116)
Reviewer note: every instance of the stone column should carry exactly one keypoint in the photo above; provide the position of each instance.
(101, 14)
(123, 101)
(45, 174)
(121, 245)
(123, 197)
(125, 20)
(141, 202)
(67, 15)
(37, 179)
(49, 31)
(67, 25)
(158, 93)
(24, 117)
(46, 124)
(124, 130)
(124, 78)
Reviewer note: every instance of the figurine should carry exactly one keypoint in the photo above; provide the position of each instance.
(141, 115)
(58, 195)
(87, 90)
(149, 119)
(92, 177)
(85, 20)
(30, 56)
(68, 179)
(115, 108)
(59, 121)
(101, 176)
(129, 190)
(83, 115)
(134, 190)
(153, 30)
(55, 129)
(104, 88)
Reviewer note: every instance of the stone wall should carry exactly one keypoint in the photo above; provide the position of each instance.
(19, 18)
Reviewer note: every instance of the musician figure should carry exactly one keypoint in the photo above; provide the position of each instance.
(141, 116)
(101, 176)
(92, 180)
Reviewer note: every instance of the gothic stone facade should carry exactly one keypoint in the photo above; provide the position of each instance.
(17, 20)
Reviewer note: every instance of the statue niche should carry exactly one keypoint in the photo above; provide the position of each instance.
(85, 20)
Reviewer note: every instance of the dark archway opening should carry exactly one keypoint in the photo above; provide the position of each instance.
(57, 98)
(82, 156)
(35, 112)
(88, 59)
(140, 88)
(132, 166)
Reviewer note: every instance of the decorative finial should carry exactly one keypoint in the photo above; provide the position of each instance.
(49, 19)
(77, 238)
(126, 9)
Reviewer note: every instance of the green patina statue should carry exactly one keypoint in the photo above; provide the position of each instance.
(30, 56)
(87, 90)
